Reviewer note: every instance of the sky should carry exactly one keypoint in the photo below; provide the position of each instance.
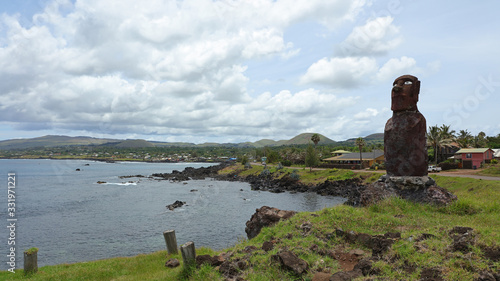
(242, 70)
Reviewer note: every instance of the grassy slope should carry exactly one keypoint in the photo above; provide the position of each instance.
(478, 207)
(491, 170)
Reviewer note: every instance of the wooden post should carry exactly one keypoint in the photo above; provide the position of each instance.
(31, 261)
(188, 253)
(171, 241)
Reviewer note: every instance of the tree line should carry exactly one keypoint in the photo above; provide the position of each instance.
(441, 138)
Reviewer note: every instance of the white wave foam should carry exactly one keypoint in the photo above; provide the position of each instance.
(119, 183)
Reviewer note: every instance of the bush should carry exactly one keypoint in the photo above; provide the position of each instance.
(448, 166)
(265, 173)
(294, 175)
(279, 167)
(494, 161)
(286, 163)
(244, 160)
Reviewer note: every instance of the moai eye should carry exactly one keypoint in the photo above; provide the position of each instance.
(408, 82)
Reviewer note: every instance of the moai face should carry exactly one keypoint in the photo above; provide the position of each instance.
(405, 92)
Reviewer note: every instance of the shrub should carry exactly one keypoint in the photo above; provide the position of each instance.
(448, 165)
(244, 160)
(279, 167)
(286, 163)
(494, 161)
(265, 173)
(294, 175)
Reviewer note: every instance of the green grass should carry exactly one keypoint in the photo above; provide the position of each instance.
(478, 207)
(306, 176)
(491, 170)
(141, 267)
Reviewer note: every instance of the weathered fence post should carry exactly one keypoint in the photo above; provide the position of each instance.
(171, 241)
(30, 261)
(188, 253)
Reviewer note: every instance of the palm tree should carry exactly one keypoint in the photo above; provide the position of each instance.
(439, 137)
(447, 136)
(315, 138)
(360, 142)
(433, 139)
(445, 132)
(479, 140)
(464, 138)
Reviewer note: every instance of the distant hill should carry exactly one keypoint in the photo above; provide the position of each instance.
(370, 139)
(378, 136)
(268, 142)
(305, 138)
(52, 141)
(56, 141)
(134, 144)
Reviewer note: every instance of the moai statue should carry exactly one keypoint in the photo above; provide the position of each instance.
(405, 133)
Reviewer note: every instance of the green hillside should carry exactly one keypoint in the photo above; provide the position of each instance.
(305, 138)
(59, 141)
(135, 144)
(52, 141)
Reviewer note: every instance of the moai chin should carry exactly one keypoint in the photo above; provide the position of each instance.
(405, 142)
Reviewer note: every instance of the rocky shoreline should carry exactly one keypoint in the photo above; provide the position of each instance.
(357, 193)
(350, 189)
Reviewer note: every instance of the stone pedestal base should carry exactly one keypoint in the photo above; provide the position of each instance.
(417, 189)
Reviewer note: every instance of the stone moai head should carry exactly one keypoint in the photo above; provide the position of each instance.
(405, 92)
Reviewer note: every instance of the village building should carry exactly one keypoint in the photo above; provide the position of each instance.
(352, 160)
(473, 158)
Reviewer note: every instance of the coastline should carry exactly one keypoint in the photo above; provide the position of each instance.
(417, 241)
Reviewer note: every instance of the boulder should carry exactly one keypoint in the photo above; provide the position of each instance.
(290, 261)
(172, 263)
(264, 217)
(207, 259)
(267, 246)
(175, 205)
(346, 275)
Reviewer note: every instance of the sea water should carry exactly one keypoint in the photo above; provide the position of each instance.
(70, 217)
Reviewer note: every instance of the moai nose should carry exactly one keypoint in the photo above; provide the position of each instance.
(397, 88)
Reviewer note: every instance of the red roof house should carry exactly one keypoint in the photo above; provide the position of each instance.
(473, 158)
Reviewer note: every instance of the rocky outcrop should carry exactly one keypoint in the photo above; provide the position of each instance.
(350, 188)
(207, 259)
(416, 189)
(265, 216)
(290, 261)
(192, 173)
(175, 205)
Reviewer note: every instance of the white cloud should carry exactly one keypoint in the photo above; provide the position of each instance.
(376, 37)
(157, 67)
(336, 72)
(367, 114)
(397, 67)
(198, 67)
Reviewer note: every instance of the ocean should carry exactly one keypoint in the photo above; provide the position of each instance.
(71, 218)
